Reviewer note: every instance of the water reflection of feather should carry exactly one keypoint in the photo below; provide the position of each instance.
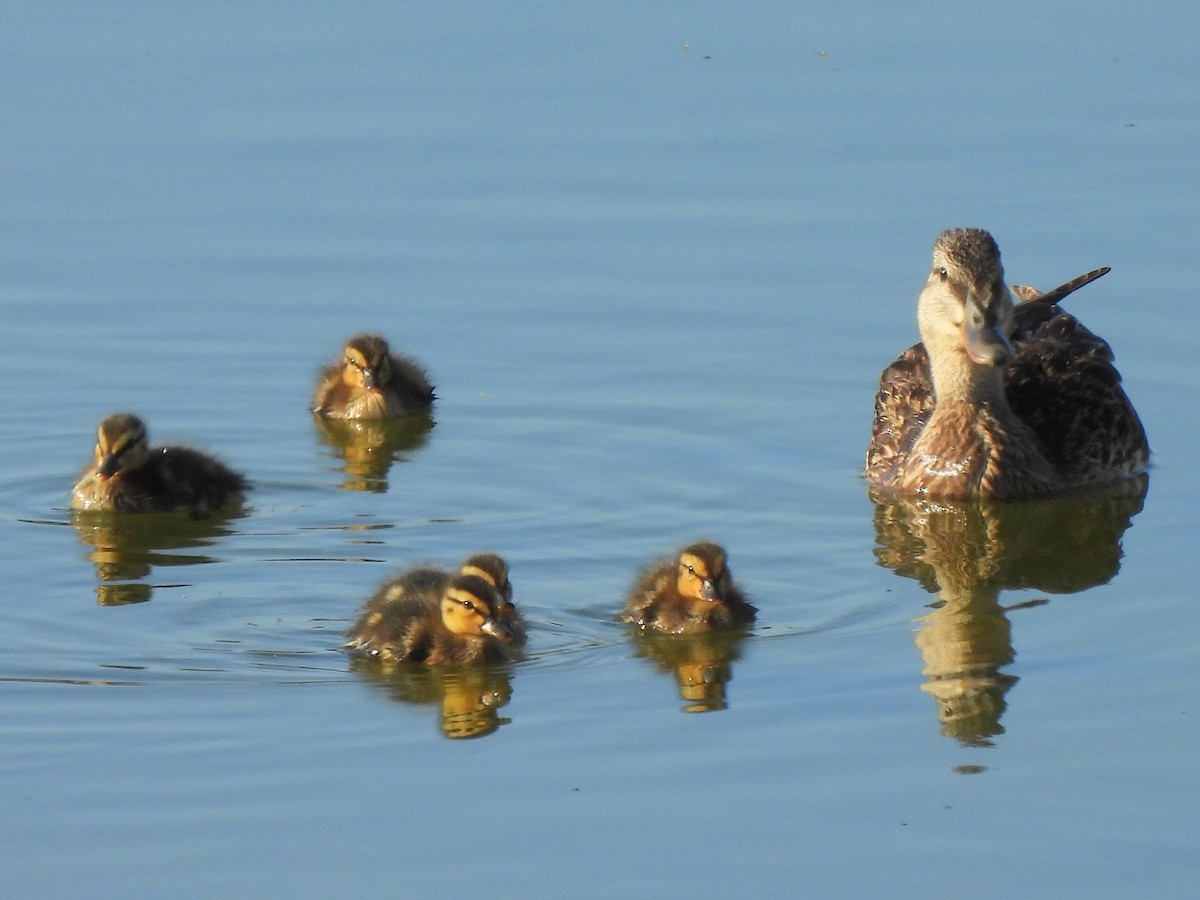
(470, 698)
(967, 553)
(368, 447)
(702, 663)
(126, 549)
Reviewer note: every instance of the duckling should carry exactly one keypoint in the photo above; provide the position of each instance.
(493, 569)
(426, 615)
(371, 382)
(999, 400)
(690, 592)
(130, 476)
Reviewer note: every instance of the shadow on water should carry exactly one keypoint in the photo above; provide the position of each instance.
(125, 547)
(368, 447)
(967, 553)
(702, 664)
(469, 697)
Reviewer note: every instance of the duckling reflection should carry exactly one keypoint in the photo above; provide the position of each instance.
(470, 699)
(701, 663)
(368, 447)
(968, 552)
(126, 549)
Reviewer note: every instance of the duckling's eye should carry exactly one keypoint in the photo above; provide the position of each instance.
(942, 273)
(468, 604)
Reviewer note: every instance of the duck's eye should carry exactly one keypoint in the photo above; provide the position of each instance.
(942, 273)
(468, 604)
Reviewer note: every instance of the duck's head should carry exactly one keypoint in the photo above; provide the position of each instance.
(469, 608)
(367, 362)
(965, 303)
(703, 575)
(120, 445)
(492, 568)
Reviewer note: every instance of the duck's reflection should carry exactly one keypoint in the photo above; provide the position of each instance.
(125, 547)
(967, 553)
(470, 697)
(368, 447)
(701, 663)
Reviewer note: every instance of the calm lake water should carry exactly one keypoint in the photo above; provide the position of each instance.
(654, 261)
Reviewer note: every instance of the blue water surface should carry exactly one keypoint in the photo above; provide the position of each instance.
(654, 260)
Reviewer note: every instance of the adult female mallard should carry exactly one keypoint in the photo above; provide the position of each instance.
(999, 400)
(371, 382)
(131, 476)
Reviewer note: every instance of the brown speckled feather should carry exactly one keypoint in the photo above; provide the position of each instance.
(1062, 385)
(402, 622)
(1065, 386)
(903, 405)
(172, 478)
(130, 476)
(655, 603)
(406, 391)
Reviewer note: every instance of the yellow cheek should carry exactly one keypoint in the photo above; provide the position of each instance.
(461, 620)
(688, 585)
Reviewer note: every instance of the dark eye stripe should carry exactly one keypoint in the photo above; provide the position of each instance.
(123, 443)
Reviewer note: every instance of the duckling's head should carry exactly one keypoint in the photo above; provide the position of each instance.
(492, 568)
(469, 607)
(367, 362)
(965, 304)
(703, 575)
(120, 445)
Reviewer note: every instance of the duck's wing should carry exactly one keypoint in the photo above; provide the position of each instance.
(1026, 294)
(410, 384)
(1065, 386)
(903, 405)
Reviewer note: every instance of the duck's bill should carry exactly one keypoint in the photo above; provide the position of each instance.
(495, 629)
